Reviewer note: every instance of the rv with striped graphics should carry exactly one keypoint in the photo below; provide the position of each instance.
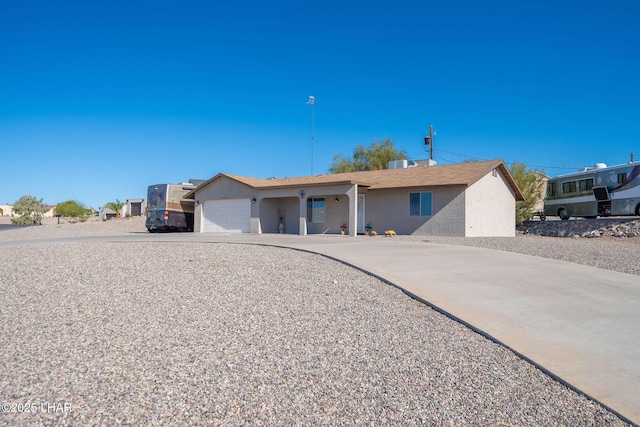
(593, 192)
(167, 209)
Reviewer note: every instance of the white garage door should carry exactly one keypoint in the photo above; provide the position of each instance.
(227, 216)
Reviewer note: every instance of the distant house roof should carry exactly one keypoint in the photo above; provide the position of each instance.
(460, 174)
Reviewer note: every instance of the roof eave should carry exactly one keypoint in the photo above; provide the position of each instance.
(314, 184)
(499, 164)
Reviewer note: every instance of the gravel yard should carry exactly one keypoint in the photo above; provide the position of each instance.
(180, 333)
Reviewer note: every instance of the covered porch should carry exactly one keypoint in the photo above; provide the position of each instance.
(310, 210)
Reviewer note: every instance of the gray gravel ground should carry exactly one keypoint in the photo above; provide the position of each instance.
(617, 254)
(217, 334)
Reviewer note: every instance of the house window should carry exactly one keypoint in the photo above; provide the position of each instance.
(420, 204)
(316, 210)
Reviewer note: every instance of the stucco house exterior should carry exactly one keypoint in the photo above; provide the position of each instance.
(466, 199)
(6, 210)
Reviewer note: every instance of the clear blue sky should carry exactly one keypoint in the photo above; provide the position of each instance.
(98, 100)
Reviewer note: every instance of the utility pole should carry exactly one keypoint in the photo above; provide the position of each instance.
(428, 142)
(312, 102)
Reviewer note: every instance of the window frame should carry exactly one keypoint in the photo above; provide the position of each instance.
(622, 178)
(569, 187)
(316, 214)
(585, 184)
(421, 203)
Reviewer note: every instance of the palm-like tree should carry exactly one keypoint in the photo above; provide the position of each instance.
(116, 206)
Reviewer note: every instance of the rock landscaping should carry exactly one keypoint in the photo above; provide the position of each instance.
(588, 228)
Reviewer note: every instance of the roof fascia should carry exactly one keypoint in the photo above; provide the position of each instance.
(192, 194)
(499, 164)
(313, 184)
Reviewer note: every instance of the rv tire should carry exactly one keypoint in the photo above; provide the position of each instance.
(638, 210)
(563, 214)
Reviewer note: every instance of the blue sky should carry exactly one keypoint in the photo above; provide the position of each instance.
(98, 100)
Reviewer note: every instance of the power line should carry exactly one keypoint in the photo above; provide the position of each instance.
(474, 158)
(466, 157)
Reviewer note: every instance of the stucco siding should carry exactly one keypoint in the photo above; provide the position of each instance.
(389, 209)
(485, 208)
(271, 209)
(490, 207)
(271, 204)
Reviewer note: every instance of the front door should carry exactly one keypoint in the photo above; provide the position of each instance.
(361, 213)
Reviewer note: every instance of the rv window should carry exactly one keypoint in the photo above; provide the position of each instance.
(586, 184)
(622, 178)
(569, 187)
(551, 189)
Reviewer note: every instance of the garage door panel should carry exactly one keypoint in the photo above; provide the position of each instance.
(227, 216)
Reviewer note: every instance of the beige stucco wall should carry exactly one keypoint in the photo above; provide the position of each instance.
(389, 209)
(221, 189)
(287, 202)
(487, 208)
(288, 208)
(490, 207)
(7, 210)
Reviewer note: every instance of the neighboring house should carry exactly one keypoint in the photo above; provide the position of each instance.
(106, 213)
(539, 206)
(50, 212)
(466, 199)
(134, 207)
(6, 210)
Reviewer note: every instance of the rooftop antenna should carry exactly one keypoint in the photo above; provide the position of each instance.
(428, 142)
(312, 102)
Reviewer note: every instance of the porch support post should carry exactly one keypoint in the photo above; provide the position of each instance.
(352, 193)
(303, 214)
(256, 226)
(197, 218)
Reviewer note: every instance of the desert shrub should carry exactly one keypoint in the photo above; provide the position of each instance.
(71, 209)
(30, 210)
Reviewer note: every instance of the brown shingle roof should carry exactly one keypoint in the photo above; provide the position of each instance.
(460, 174)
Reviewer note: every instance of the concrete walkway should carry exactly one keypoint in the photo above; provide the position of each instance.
(580, 323)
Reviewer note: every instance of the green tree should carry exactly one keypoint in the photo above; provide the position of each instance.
(374, 157)
(115, 206)
(30, 209)
(531, 183)
(71, 209)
